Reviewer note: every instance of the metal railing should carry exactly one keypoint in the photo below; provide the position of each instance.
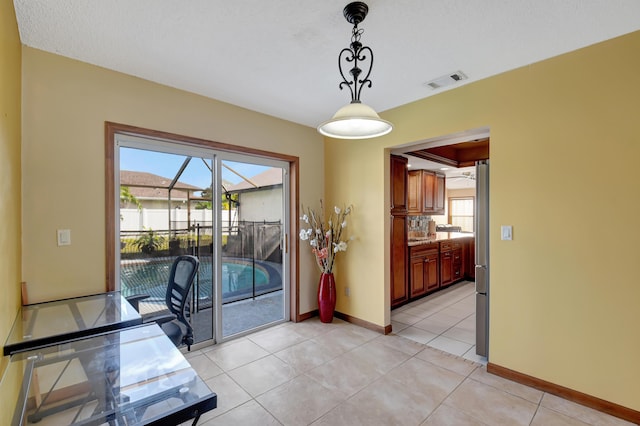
(251, 253)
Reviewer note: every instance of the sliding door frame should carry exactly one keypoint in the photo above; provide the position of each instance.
(112, 196)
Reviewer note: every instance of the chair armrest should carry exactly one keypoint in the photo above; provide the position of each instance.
(158, 318)
(135, 300)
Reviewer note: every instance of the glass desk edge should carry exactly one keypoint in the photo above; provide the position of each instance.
(15, 346)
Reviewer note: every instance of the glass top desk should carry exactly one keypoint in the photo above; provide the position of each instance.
(47, 323)
(134, 376)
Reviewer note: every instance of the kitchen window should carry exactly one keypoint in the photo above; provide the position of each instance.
(461, 211)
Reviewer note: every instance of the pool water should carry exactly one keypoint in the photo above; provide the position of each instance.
(238, 279)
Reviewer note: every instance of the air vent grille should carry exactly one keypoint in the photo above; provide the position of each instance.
(446, 80)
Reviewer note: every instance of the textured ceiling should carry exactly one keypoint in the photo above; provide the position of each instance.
(279, 57)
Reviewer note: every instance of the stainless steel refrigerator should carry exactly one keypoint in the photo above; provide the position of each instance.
(482, 257)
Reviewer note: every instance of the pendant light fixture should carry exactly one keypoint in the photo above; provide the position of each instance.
(355, 120)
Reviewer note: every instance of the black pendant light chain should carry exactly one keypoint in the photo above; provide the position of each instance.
(355, 53)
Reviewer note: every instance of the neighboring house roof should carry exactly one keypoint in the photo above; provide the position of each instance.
(269, 177)
(144, 185)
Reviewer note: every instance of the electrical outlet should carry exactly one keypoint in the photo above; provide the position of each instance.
(347, 291)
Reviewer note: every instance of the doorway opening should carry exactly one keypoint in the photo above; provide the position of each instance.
(448, 316)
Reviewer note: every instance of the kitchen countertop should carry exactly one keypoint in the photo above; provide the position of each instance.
(440, 236)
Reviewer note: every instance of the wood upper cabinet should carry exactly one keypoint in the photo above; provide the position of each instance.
(414, 191)
(398, 185)
(399, 291)
(439, 194)
(428, 191)
(425, 192)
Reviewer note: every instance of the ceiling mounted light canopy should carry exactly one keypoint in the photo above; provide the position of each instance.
(355, 120)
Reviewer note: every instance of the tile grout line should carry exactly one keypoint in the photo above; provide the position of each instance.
(456, 298)
(453, 390)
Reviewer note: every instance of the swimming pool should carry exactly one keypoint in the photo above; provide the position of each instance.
(150, 276)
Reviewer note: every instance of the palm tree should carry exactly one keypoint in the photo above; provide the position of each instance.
(127, 197)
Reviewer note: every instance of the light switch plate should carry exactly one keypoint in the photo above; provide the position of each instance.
(64, 237)
(506, 232)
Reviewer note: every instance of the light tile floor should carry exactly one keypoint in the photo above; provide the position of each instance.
(444, 320)
(341, 374)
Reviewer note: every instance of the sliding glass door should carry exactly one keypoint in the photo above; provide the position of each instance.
(228, 210)
(252, 243)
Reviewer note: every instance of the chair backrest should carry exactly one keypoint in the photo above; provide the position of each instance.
(183, 271)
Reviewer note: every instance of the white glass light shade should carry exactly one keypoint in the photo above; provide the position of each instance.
(355, 121)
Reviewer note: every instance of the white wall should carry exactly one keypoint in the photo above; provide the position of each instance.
(262, 205)
(157, 219)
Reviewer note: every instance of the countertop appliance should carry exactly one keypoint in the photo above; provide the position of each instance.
(482, 257)
(448, 228)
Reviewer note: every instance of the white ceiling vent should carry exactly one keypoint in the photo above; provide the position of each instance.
(446, 80)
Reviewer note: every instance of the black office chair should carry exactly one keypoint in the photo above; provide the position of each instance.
(175, 324)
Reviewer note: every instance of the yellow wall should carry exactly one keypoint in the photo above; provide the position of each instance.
(564, 300)
(464, 192)
(564, 151)
(10, 201)
(65, 105)
(354, 176)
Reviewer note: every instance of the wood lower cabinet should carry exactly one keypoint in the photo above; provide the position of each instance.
(446, 268)
(432, 266)
(469, 259)
(399, 291)
(450, 262)
(457, 270)
(423, 269)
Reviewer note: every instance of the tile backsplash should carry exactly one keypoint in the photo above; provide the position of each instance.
(418, 224)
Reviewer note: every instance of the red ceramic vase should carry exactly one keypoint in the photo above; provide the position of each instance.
(326, 297)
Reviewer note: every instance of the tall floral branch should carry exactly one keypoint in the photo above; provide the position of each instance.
(325, 239)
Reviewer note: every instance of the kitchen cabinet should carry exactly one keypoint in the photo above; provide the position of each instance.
(399, 249)
(450, 262)
(423, 269)
(470, 259)
(439, 194)
(417, 203)
(399, 290)
(433, 265)
(457, 264)
(446, 268)
(398, 172)
(425, 192)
